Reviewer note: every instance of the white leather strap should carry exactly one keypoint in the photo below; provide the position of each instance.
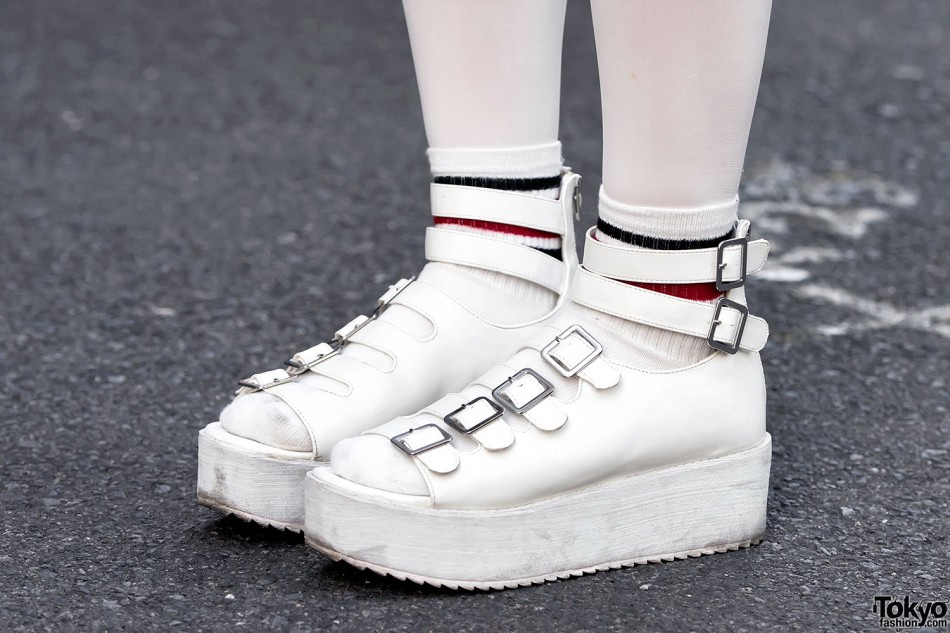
(495, 435)
(344, 369)
(666, 312)
(601, 374)
(674, 267)
(546, 415)
(521, 392)
(384, 337)
(491, 205)
(480, 251)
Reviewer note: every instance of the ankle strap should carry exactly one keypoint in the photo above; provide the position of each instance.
(726, 325)
(727, 264)
(489, 253)
(493, 205)
(480, 251)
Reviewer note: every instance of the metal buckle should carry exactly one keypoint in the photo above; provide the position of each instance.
(499, 391)
(743, 244)
(347, 331)
(565, 371)
(453, 420)
(323, 351)
(744, 314)
(401, 444)
(257, 385)
(578, 200)
(390, 294)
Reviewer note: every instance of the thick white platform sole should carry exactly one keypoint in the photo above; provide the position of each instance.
(698, 508)
(251, 481)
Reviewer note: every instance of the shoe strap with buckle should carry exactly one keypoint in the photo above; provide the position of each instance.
(479, 418)
(574, 352)
(489, 253)
(727, 264)
(518, 209)
(430, 444)
(264, 381)
(493, 205)
(525, 392)
(309, 359)
(726, 325)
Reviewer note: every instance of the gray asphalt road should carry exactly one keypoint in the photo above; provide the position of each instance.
(189, 190)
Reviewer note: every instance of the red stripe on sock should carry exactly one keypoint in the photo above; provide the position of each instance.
(693, 292)
(498, 227)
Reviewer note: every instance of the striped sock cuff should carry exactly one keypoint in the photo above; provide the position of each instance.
(658, 243)
(534, 170)
(666, 225)
(527, 185)
(668, 229)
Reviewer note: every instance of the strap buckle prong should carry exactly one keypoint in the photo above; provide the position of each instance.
(722, 264)
(509, 403)
(558, 364)
(729, 348)
(401, 440)
(454, 420)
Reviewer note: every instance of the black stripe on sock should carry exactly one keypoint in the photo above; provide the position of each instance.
(553, 252)
(503, 184)
(657, 243)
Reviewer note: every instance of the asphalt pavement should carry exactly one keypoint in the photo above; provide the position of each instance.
(191, 190)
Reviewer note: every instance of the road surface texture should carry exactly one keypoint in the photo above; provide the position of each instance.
(191, 190)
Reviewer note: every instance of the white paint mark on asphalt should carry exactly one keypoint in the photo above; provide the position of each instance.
(783, 274)
(783, 195)
(851, 223)
(880, 314)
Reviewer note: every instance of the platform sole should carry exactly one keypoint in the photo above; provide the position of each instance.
(702, 507)
(254, 483)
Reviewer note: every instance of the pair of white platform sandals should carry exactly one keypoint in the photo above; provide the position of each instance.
(557, 462)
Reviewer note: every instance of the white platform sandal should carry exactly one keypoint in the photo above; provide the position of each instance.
(264, 483)
(561, 461)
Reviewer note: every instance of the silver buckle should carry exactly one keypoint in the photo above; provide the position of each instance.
(743, 244)
(403, 445)
(743, 316)
(390, 294)
(565, 371)
(298, 364)
(453, 420)
(256, 385)
(347, 331)
(499, 391)
(578, 200)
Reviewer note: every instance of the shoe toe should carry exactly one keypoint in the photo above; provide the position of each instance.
(268, 420)
(373, 461)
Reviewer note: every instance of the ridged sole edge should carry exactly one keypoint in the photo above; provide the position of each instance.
(250, 518)
(440, 583)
